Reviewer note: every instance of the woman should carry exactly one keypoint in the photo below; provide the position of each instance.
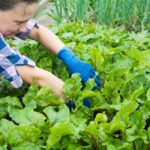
(15, 20)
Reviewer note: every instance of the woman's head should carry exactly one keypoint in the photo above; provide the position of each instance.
(14, 15)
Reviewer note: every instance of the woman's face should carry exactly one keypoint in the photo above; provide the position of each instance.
(15, 20)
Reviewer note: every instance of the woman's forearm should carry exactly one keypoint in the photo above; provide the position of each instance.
(43, 77)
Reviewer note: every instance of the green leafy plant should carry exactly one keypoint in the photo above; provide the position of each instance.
(119, 117)
(133, 14)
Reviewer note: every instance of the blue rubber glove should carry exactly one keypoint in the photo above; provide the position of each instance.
(75, 65)
(71, 104)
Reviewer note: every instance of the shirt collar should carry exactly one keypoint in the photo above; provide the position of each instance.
(1, 35)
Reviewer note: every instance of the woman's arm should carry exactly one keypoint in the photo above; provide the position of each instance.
(43, 77)
(47, 38)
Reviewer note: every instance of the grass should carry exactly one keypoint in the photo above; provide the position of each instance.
(131, 13)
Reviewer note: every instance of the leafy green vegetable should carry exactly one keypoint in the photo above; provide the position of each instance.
(24, 137)
(58, 131)
(8, 102)
(72, 88)
(55, 114)
(119, 117)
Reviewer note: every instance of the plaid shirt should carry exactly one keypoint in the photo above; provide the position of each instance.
(10, 58)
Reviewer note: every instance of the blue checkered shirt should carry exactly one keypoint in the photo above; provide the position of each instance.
(10, 58)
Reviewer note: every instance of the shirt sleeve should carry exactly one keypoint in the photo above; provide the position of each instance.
(24, 35)
(9, 59)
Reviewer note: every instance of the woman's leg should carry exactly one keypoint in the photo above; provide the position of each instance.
(43, 77)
